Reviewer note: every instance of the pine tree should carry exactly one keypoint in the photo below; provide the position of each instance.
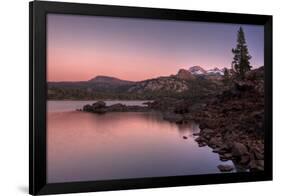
(241, 63)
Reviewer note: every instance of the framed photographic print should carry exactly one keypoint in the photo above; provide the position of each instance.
(130, 97)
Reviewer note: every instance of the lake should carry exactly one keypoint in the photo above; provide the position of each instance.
(85, 146)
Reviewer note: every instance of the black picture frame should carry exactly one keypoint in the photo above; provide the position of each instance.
(38, 86)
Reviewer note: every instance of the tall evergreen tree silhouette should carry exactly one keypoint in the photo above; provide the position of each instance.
(241, 63)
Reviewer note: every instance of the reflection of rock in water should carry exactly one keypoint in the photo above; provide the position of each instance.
(139, 144)
(225, 168)
(187, 130)
(239, 167)
(190, 127)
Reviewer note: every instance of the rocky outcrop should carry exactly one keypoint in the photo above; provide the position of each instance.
(197, 70)
(225, 168)
(255, 75)
(166, 104)
(239, 150)
(100, 108)
(160, 85)
(185, 75)
(97, 107)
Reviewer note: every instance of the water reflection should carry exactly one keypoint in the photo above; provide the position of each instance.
(85, 146)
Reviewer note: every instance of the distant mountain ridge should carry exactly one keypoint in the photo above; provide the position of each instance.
(109, 80)
(181, 82)
(197, 70)
(96, 82)
(182, 74)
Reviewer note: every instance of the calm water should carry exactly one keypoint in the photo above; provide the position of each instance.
(84, 146)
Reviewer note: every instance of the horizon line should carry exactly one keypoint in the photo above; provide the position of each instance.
(253, 67)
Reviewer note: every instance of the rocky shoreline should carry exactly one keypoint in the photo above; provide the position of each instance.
(231, 122)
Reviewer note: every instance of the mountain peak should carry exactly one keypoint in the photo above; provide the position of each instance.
(184, 74)
(216, 71)
(98, 77)
(197, 70)
(108, 80)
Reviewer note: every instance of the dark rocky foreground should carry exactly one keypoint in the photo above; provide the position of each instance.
(231, 121)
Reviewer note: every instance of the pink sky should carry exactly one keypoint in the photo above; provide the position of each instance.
(82, 47)
(70, 64)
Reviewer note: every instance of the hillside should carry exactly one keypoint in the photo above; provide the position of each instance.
(183, 83)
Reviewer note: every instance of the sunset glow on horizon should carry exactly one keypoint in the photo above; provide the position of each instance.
(82, 47)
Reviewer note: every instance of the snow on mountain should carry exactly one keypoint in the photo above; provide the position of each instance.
(197, 70)
(216, 71)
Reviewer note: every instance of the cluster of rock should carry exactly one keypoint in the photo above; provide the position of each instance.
(161, 84)
(100, 107)
(247, 154)
(233, 123)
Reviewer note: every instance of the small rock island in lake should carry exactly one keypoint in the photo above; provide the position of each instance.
(100, 108)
